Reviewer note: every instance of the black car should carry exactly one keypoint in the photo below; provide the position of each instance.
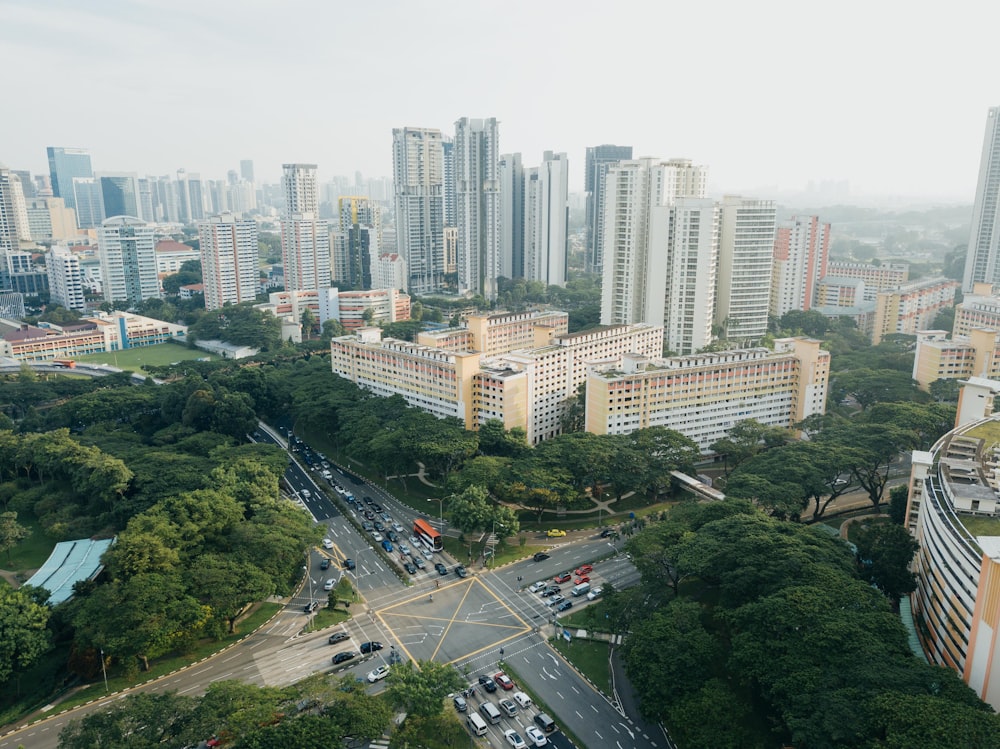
(377, 507)
(325, 564)
(379, 527)
(349, 564)
(338, 637)
(369, 500)
(551, 591)
(371, 647)
(347, 655)
(441, 569)
(606, 532)
(564, 605)
(461, 571)
(410, 567)
(392, 536)
(541, 556)
(367, 525)
(311, 607)
(487, 683)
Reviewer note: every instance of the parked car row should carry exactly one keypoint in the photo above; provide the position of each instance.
(490, 713)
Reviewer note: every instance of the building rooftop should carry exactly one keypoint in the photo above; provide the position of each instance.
(70, 562)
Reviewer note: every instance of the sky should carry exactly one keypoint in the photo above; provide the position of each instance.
(890, 97)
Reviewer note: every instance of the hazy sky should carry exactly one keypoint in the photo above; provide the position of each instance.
(890, 96)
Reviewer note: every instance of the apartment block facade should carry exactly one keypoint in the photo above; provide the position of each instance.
(911, 307)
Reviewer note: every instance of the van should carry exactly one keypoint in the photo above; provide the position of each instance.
(490, 712)
(579, 590)
(544, 722)
(476, 724)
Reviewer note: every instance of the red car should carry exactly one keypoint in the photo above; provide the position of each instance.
(562, 578)
(581, 579)
(503, 681)
(583, 569)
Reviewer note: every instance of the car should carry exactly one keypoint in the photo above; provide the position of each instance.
(328, 585)
(514, 739)
(594, 594)
(369, 516)
(556, 599)
(419, 561)
(550, 591)
(311, 607)
(327, 543)
(386, 517)
(349, 564)
(535, 736)
(535, 587)
(581, 580)
(460, 703)
(555, 533)
(377, 507)
(563, 577)
(397, 527)
(369, 500)
(461, 571)
(392, 536)
(370, 647)
(347, 655)
(540, 556)
(379, 527)
(366, 525)
(387, 545)
(508, 707)
(487, 683)
(583, 569)
(377, 536)
(325, 564)
(403, 548)
(441, 569)
(606, 532)
(410, 567)
(504, 681)
(337, 637)
(565, 605)
(521, 699)
(415, 542)
(426, 552)
(306, 494)
(378, 674)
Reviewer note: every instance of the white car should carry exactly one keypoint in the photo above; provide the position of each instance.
(594, 593)
(378, 674)
(522, 699)
(328, 585)
(403, 548)
(397, 527)
(426, 552)
(514, 739)
(555, 600)
(377, 536)
(535, 736)
(415, 542)
(327, 543)
(535, 587)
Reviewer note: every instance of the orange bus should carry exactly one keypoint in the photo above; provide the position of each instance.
(426, 533)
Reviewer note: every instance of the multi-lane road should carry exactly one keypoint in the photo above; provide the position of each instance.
(472, 622)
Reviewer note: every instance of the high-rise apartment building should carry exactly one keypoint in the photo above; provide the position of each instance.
(305, 238)
(599, 158)
(229, 259)
(190, 197)
(65, 164)
(65, 279)
(477, 203)
(359, 241)
(546, 193)
(127, 251)
(743, 281)
(512, 216)
(448, 165)
(660, 250)
(801, 254)
(418, 173)
(982, 263)
(14, 226)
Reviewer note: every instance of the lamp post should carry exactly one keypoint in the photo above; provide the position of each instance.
(440, 501)
(310, 578)
(104, 671)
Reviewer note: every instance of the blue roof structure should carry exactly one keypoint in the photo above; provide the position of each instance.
(68, 563)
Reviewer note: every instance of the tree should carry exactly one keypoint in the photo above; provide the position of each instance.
(744, 440)
(420, 688)
(885, 551)
(871, 386)
(944, 390)
(24, 636)
(332, 329)
(140, 721)
(495, 440)
(873, 446)
(899, 496)
(308, 321)
(470, 511)
(11, 532)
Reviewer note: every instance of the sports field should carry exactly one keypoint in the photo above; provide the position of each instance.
(159, 355)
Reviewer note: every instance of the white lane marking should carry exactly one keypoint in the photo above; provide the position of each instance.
(595, 709)
(578, 714)
(599, 736)
(630, 734)
(574, 689)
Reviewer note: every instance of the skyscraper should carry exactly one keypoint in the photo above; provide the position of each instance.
(418, 173)
(982, 263)
(120, 194)
(546, 193)
(746, 251)
(127, 251)
(190, 197)
(64, 165)
(229, 260)
(448, 162)
(801, 254)
(477, 204)
(88, 202)
(661, 246)
(512, 216)
(598, 160)
(359, 241)
(305, 238)
(13, 213)
(246, 169)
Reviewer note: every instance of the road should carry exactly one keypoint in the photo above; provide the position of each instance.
(465, 622)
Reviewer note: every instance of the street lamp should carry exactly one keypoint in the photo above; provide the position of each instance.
(310, 578)
(440, 501)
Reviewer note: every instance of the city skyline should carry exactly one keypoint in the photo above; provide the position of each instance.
(886, 97)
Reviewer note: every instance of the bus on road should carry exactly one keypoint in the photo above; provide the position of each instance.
(426, 533)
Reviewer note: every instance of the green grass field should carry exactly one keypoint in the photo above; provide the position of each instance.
(159, 355)
(30, 553)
